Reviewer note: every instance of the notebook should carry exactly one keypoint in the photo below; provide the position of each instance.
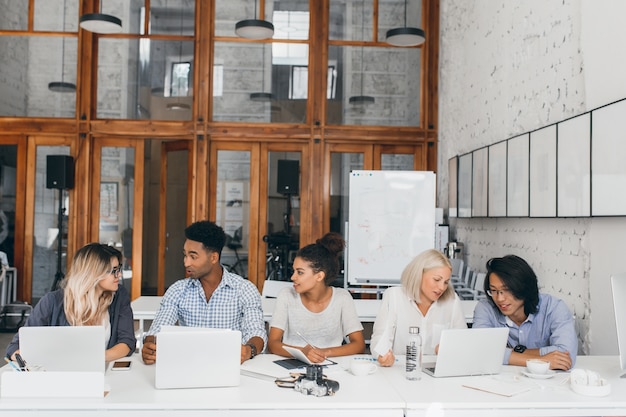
(196, 357)
(299, 355)
(64, 348)
(464, 352)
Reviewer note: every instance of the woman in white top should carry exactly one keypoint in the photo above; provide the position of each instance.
(425, 299)
(314, 312)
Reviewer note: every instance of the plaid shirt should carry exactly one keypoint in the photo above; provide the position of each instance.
(235, 304)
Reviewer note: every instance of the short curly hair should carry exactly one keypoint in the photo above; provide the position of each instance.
(208, 233)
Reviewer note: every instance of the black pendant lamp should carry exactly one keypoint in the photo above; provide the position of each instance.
(254, 28)
(100, 22)
(362, 100)
(62, 86)
(405, 36)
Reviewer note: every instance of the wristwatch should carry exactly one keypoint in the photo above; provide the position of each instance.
(253, 351)
(519, 348)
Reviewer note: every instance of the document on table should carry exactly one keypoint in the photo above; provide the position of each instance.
(494, 386)
(298, 354)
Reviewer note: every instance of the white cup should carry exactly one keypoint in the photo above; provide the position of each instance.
(537, 366)
(362, 367)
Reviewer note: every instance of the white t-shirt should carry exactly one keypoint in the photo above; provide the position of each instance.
(324, 329)
(398, 312)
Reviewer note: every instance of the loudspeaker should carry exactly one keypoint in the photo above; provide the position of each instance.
(60, 172)
(288, 176)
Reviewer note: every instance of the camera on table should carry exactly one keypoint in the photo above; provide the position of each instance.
(314, 383)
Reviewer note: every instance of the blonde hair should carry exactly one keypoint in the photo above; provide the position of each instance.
(84, 303)
(411, 279)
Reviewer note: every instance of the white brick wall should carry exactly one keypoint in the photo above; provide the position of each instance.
(510, 67)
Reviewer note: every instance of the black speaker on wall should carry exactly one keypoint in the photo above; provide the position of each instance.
(288, 176)
(60, 172)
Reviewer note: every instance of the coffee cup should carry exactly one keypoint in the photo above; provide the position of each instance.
(362, 367)
(537, 366)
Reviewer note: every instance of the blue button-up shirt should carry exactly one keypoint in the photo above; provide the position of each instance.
(550, 328)
(235, 304)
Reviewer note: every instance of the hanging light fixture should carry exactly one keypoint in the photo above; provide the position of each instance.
(262, 96)
(405, 36)
(362, 99)
(178, 105)
(254, 28)
(100, 22)
(62, 86)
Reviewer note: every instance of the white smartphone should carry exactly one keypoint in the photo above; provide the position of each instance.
(121, 366)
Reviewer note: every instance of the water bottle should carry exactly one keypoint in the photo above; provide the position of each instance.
(414, 354)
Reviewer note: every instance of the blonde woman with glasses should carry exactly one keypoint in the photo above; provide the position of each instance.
(90, 295)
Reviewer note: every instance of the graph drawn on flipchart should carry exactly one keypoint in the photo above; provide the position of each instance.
(391, 220)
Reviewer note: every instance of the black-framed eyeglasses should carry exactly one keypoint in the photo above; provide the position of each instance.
(506, 293)
(117, 271)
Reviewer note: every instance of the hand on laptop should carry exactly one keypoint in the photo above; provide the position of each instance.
(387, 359)
(148, 351)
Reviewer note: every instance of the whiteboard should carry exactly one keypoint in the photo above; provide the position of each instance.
(391, 220)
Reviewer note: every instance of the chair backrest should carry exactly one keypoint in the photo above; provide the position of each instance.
(271, 287)
(457, 267)
(479, 282)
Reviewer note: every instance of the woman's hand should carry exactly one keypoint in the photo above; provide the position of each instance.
(314, 354)
(387, 359)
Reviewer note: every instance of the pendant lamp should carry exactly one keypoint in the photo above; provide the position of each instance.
(178, 105)
(254, 28)
(262, 96)
(62, 86)
(361, 99)
(405, 36)
(100, 22)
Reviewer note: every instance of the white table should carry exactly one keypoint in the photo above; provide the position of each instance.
(384, 393)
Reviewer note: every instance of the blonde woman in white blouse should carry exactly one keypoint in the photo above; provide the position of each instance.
(425, 299)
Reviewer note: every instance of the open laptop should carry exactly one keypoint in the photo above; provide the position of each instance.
(465, 352)
(618, 286)
(64, 348)
(196, 357)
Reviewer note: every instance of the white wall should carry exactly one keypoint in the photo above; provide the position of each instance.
(511, 67)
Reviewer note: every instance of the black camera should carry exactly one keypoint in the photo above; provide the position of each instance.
(314, 383)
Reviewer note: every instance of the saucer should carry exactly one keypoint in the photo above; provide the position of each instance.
(549, 374)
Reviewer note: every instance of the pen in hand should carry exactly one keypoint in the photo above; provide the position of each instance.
(12, 364)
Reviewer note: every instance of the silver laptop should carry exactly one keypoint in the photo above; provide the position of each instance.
(464, 352)
(64, 348)
(618, 287)
(196, 357)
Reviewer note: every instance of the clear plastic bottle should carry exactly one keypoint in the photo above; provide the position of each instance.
(414, 354)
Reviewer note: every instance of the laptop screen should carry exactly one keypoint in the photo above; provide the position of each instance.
(64, 348)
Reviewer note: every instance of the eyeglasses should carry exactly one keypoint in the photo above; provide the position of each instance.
(116, 271)
(505, 293)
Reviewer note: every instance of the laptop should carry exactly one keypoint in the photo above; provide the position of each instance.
(197, 357)
(64, 348)
(618, 287)
(468, 352)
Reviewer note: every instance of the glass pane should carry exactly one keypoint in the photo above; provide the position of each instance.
(14, 15)
(48, 16)
(397, 162)
(35, 63)
(151, 79)
(261, 82)
(8, 185)
(48, 267)
(340, 166)
(176, 214)
(233, 208)
(351, 20)
(375, 86)
(172, 17)
(283, 214)
(117, 183)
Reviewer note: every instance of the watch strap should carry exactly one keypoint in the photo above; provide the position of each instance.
(253, 351)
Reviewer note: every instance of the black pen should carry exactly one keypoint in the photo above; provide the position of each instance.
(21, 362)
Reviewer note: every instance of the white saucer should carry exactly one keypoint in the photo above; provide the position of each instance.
(547, 375)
